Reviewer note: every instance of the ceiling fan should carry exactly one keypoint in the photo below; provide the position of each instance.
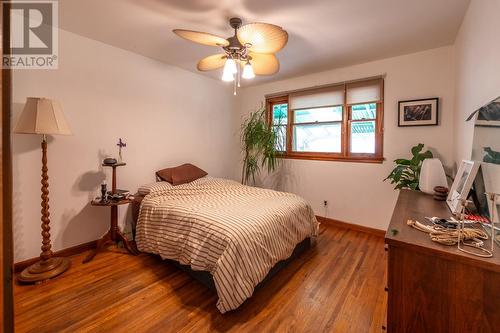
(249, 52)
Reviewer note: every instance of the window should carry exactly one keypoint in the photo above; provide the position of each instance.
(279, 120)
(338, 122)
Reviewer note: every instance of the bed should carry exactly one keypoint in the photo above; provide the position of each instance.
(233, 235)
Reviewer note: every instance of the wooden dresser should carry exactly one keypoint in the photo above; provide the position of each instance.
(433, 287)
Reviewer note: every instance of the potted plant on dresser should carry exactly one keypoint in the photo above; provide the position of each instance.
(406, 174)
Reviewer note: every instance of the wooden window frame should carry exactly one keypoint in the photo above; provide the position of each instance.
(270, 102)
(345, 155)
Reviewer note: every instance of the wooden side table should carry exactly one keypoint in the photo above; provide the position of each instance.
(114, 234)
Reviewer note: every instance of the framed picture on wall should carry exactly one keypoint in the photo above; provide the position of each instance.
(418, 112)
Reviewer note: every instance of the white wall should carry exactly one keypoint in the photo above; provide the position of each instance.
(355, 191)
(166, 115)
(477, 54)
(169, 116)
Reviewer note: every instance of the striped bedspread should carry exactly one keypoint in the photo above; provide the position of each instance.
(236, 232)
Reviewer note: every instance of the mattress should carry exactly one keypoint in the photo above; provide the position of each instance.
(235, 232)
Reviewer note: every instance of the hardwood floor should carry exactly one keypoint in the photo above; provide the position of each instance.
(337, 286)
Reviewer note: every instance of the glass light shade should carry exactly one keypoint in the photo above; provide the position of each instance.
(248, 71)
(230, 66)
(227, 76)
(229, 70)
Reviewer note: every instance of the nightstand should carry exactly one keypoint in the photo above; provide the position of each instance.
(114, 234)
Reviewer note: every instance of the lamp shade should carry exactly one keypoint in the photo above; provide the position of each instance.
(42, 116)
(229, 70)
(432, 175)
(248, 72)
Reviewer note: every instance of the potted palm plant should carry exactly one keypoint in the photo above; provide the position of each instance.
(258, 145)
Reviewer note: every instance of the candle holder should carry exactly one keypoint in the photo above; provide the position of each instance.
(104, 190)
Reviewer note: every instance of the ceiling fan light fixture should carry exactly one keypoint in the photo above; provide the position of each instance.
(256, 42)
(248, 72)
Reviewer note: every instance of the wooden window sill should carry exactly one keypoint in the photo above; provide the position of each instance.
(354, 159)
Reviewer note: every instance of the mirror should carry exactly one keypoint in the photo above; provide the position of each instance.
(486, 149)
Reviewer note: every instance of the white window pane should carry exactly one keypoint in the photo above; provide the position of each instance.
(363, 137)
(280, 139)
(280, 113)
(320, 114)
(324, 138)
(364, 111)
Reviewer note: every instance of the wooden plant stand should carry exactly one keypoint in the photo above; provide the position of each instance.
(114, 234)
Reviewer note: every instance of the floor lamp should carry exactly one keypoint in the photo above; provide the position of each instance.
(43, 116)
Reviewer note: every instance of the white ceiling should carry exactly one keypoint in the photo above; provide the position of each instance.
(323, 34)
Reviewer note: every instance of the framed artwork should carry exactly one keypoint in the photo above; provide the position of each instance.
(462, 184)
(489, 115)
(418, 112)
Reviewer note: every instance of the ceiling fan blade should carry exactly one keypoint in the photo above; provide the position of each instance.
(264, 63)
(212, 62)
(201, 37)
(263, 37)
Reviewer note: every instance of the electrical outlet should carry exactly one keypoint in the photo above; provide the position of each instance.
(325, 203)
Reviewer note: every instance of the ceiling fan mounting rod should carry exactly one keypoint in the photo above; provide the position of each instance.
(235, 22)
(236, 50)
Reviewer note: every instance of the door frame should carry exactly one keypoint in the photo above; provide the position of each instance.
(6, 248)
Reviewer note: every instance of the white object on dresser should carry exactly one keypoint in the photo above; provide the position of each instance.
(431, 175)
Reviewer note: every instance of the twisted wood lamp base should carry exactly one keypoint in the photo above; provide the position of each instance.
(44, 270)
(48, 266)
